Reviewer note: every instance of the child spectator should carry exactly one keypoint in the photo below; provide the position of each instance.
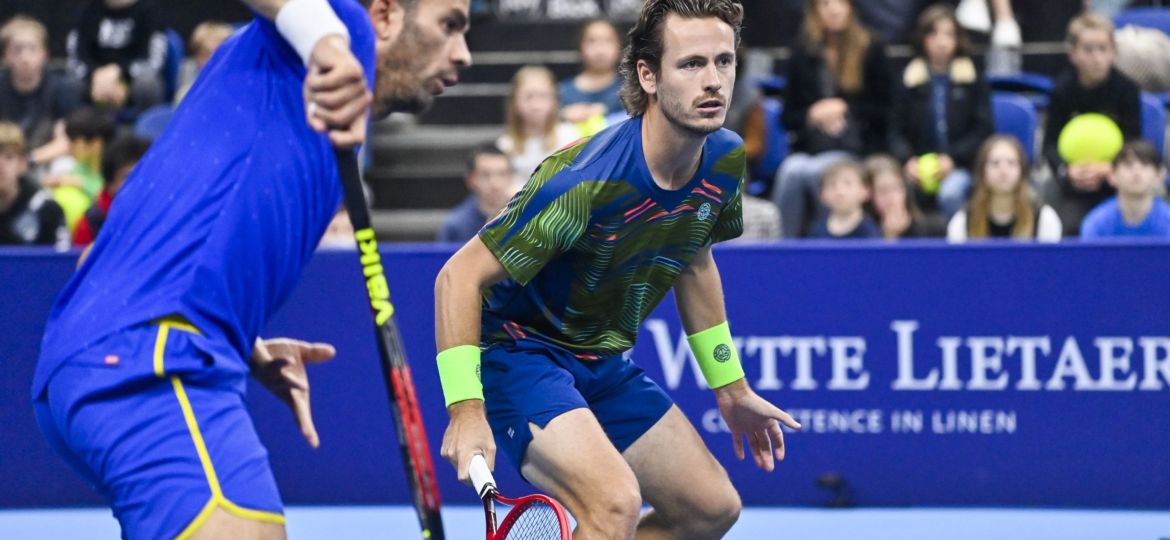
(491, 181)
(1137, 210)
(592, 95)
(836, 105)
(118, 49)
(205, 39)
(118, 161)
(30, 95)
(28, 214)
(76, 179)
(1002, 205)
(1093, 86)
(893, 202)
(532, 129)
(844, 194)
(944, 113)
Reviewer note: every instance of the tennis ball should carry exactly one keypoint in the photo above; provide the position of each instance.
(593, 125)
(928, 173)
(1090, 138)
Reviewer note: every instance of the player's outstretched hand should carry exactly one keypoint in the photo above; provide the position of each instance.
(337, 100)
(279, 364)
(468, 434)
(749, 415)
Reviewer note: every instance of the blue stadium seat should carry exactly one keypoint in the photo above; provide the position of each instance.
(151, 123)
(1033, 86)
(1016, 115)
(1149, 17)
(772, 85)
(175, 54)
(1154, 122)
(776, 148)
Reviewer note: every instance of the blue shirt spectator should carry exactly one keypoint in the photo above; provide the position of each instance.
(1107, 221)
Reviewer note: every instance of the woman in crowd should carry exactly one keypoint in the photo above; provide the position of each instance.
(588, 98)
(836, 105)
(943, 114)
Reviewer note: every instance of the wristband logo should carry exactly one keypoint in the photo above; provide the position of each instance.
(722, 353)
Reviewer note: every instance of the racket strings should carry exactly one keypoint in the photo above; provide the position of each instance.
(535, 520)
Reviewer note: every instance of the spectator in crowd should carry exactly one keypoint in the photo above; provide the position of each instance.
(944, 113)
(30, 95)
(28, 214)
(836, 105)
(1137, 210)
(491, 181)
(893, 202)
(591, 96)
(844, 194)
(1002, 205)
(1092, 86)
(118, 161)
(532, 129)
(205, 39)
(118, 49)
(76, 180)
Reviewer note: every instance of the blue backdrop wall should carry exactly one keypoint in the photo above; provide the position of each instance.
(923, 374)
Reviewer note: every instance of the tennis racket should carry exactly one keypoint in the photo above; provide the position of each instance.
(412, 435)
(535, 517)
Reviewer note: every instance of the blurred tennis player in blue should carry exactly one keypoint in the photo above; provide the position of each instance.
(140, 383)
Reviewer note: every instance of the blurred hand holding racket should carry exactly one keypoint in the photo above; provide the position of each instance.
(534, 517)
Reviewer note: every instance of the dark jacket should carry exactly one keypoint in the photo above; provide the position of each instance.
(969, 118)
(869, 106)
(1118, 98)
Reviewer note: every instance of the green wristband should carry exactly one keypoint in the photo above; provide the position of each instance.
(459, 374)
(717, 356)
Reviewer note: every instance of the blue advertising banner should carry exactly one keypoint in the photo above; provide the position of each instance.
(923, 375)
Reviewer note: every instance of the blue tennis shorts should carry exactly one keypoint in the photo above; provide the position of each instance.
(162, 434)
(532, 381)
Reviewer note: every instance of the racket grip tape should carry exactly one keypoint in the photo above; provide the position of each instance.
(481, 476)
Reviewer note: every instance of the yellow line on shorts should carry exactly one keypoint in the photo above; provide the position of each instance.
(217, 500)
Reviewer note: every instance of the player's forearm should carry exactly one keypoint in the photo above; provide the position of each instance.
(699, 295)
(457, 309)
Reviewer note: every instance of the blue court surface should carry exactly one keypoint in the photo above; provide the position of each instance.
(466, 522)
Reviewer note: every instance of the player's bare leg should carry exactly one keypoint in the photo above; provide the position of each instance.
(687, 489)
(573, 461)
(223, 525)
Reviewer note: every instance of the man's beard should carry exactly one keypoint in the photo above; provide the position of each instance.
(675, 111)
(399, 85)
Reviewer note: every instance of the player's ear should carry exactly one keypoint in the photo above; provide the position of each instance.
(647, 78)
(388, 18)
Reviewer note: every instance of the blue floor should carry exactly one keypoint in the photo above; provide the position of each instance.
(465, 522)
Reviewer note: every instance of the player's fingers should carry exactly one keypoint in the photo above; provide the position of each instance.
(758, 452)
(777, 436)
(737, 440)
(304, 416)
(317, 352)
(351, 137)
(335, 77)
(337, 97)
(766, 451)
(785, 418)
(344, 115)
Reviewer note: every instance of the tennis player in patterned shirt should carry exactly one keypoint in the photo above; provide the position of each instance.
(534, 316)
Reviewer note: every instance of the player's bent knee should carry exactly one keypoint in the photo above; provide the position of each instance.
(614, 511)
(712, 515)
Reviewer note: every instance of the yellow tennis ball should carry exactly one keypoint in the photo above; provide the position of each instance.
(928, 173)
(1090, 138)
(592, 126)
